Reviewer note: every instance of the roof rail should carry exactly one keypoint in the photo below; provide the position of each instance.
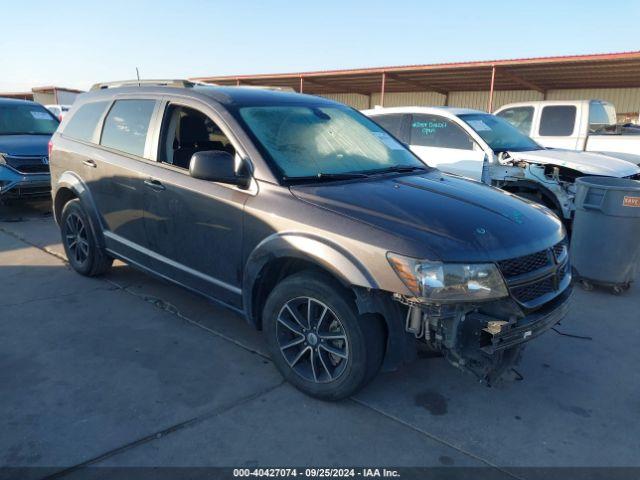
(180, 83)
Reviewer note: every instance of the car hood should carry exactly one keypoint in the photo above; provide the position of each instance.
(443, 216)
(585, 162)
(24, 145)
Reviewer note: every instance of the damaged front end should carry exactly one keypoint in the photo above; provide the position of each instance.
(485, 337)
(552, 185)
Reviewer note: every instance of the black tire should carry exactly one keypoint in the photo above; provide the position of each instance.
(78, 237)
(340, 329)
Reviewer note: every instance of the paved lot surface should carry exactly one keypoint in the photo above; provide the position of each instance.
(126, 370)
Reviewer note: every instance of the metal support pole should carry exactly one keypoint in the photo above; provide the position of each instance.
(301, 83)
(493, 78)
(384, 81)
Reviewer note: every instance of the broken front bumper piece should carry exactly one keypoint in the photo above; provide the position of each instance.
(504, 334)
(484, 339)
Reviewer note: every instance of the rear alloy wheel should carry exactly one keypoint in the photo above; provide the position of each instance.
(83, 252)
(318, 340)
(75, 234)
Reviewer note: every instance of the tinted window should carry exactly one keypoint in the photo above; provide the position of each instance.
(83, 123)
(391, 123)
(519, 117)
(126, 125)
(557, 120)
(26, 119)
(435, 131)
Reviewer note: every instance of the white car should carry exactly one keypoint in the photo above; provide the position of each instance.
(584, 125)
(58, 110)
(486, 148)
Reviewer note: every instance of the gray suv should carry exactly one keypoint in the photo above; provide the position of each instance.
(312, 222)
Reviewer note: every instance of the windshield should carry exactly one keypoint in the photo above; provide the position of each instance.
(305, 141)
(26, 119)
(499, 134)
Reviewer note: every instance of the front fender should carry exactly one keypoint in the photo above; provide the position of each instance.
(303, 246)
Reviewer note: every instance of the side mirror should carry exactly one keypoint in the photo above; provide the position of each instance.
(217, 166)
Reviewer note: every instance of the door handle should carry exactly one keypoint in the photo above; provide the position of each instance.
(154, 184)
(90, 163)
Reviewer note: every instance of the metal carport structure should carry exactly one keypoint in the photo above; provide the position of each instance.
(607, 70)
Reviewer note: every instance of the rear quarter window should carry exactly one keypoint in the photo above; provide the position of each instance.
(83, 123)
(126, 126)
(557, 120)
(392, 123)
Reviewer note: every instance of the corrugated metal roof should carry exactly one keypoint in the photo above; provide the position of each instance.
(605, 70)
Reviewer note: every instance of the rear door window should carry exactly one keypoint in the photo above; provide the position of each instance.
(439, 132)
(83, 124)
(519, 117)
(126, 126)
(557, 120)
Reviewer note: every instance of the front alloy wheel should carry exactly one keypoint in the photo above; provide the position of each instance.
(312, 340)
(317, 338)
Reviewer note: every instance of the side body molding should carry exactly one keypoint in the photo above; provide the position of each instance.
(302, 246)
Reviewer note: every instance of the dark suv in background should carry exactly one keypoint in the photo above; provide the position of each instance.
(25, 130)
(312, 222)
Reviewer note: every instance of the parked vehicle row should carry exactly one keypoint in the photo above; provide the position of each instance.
(487, 148)
(311, 221)
(583, 125)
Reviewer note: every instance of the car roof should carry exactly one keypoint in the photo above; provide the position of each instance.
(448, 111)
(226, 95)
(533, 103)
(14, 101)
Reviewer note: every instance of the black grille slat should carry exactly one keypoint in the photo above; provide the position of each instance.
(33, 168)
(534, 290)
(521, 265)
(28, 164)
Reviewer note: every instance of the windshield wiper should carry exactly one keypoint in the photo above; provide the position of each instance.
(397, 168)
(326, 176)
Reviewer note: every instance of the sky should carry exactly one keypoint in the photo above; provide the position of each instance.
(77, 43)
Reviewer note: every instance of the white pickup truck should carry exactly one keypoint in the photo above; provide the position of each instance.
(585, 125)
(486, 148)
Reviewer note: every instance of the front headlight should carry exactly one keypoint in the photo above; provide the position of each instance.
(449, 282)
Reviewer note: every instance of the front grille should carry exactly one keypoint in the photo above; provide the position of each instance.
(28, 164)
(534, 276)
(521, 265)
(33, 168)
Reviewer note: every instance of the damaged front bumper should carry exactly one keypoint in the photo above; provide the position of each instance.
(484, 339)
(14, 184)
(503, 334)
